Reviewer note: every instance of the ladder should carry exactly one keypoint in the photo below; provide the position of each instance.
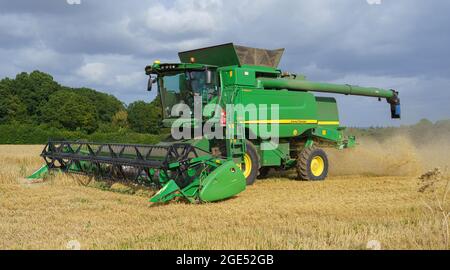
(236, 143)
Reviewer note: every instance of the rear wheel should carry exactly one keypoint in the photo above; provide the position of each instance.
(312, 164)
(250, 166)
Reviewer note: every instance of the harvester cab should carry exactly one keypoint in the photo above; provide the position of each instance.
(243, 117)
(181, 83)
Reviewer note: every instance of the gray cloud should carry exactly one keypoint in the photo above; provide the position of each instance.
(41, 7)
(105, 44)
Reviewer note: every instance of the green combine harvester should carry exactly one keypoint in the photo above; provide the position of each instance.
(240, 84)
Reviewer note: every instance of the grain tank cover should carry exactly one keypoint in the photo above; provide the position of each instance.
(230, 55)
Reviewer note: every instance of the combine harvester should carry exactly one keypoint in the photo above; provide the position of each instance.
(205, 168)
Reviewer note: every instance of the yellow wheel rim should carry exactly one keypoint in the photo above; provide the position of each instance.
(317, 166)
(246, 167)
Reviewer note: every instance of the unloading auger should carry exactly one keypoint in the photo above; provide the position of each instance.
(209, 168)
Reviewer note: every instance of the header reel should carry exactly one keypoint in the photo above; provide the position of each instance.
(180, 170)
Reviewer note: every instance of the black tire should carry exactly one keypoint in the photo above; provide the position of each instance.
(254, 157)
(263, 172)
(304, 160)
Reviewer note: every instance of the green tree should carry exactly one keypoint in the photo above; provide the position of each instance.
(35, 98)
(107, 105)
(144, 117)
(120, 120)
(12, 109)
(424, 123)
(72, 111)
(33, 90)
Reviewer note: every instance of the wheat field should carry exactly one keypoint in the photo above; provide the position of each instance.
(368, 196)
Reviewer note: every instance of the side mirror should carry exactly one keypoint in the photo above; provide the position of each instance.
(209, 76)
(151, 81)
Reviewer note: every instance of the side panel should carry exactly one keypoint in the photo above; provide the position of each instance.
(297, 111)
(327, 111)
(274, 157)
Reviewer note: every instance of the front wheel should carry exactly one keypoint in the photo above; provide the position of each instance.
(250, 166)
(312, 164)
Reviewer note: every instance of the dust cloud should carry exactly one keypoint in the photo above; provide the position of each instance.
(398, 155)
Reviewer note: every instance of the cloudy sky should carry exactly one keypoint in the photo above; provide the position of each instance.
(105, 44)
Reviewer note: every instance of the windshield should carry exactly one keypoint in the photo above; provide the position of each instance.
(181, 88)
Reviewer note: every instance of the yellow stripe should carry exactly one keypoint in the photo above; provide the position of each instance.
(282, 121)
(329, 123)
(292, 121)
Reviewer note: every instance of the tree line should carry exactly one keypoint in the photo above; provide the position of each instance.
(36, 99)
